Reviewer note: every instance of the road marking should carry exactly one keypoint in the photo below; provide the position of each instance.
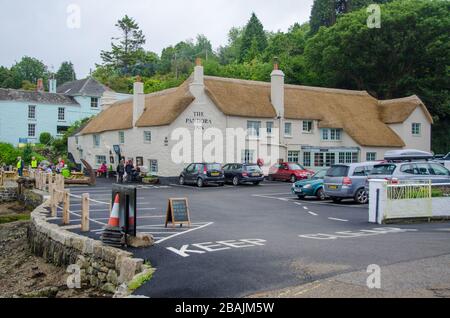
(305, 207)
(335, 219)
(361, 233)
(312, 213)
(298, 203)
(185, 232)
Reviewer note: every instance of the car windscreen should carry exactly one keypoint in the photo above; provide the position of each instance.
(383, 170)
(214, 166)
(338, 171)
(294, 166)
(254, 168)
(320, 175)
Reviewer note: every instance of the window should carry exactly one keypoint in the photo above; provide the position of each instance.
(31, 130)
(94, 102)
(371, 156)
(359, 172)
(293, 156)
(248, 156)
(96, 140)
(61, 113)
(318, 159)
(423, 169)
(288, 129)
(307, 126)
(438, 170)
(31, 112)
(61, 130)
(332, 134)
(348, 157)
(253, 128)
(408, 169)
(307, 159)
(330, 159)
(147, 137)
(121, 137)
(416, 129)
(100, 160)
(153, 166)
(338, 171)
(269, 127)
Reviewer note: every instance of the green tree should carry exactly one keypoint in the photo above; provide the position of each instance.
(27, 69)
(409, 55)
(45, 138)
(8, 154)
(5, 74)
(230, 53)
(254, 40)
(65, 73)
(125, 54)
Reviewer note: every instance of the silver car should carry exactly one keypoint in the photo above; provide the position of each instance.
(348, 181)
(411, 171)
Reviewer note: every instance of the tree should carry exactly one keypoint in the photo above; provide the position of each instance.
(254, 40)
(28, 69)
(8, 154)
(45, 138)
(66, 73)
(409, 55)
(125, 54)
(5, 74)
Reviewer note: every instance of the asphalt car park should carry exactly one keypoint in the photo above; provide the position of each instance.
(248, 239)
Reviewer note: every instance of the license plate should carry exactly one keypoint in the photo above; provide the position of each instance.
(215, 174)
(298, 190)
(333, 187)
(255, 174)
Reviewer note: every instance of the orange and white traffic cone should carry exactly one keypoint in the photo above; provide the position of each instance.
(114, 219)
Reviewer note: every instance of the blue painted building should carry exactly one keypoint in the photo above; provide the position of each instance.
(24, 115)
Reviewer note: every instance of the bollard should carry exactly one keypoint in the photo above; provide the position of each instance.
(54, 202)
(85, 213)
(66, 207)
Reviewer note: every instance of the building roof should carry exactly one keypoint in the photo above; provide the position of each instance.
(361, 116)
(36, 97)
(88, 86)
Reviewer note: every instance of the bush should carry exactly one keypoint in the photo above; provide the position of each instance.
(45, 138)
(8, 154)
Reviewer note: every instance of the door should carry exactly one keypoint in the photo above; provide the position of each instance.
(284, 173)
(189, 172)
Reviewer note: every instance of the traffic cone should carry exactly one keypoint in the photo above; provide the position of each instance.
(114, 219)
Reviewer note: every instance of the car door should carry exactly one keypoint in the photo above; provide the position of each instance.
(284, 172)
(228, 171)
(188, 173)
(439, 174)
(422, 172)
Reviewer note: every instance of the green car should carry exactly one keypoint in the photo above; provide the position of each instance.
(312, 187)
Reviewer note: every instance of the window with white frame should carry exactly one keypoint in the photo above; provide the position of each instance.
(99, 160)
(31, 130)
(153, 166)
(331, 134)
(330, 158)
(269, 128)
(94, 102)
(96, 140)
(31, 112)
(147, 137)
(416, 129)
(319, 159)
(248, 156)
(294, 156)
(253, 128)
(307, 159)
(288, 129)
(61, 113)
(121, 137)
(307, 126)
(371, 156)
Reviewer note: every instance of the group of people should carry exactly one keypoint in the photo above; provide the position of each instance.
(60, 167)
(127, 172)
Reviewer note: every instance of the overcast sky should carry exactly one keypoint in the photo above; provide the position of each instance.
(40, 29)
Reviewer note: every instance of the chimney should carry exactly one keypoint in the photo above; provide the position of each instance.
(277, 89)
(138, 100)
(52, 85)
(40, 85)
(197, 85)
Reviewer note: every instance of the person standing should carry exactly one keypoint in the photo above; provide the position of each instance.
(120, 171)
(20, 166)
(34, 164)
(129, 170)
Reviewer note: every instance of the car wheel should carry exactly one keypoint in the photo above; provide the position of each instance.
(270, 178)
(235, 181)
(336, 200)
(181, 181)
(321, 194)
(200, 182)
(361, 196)
(293, 179)
(301, 197)
(256, 183)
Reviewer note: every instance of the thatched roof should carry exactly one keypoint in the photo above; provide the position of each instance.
(361, 116)
(396, 111)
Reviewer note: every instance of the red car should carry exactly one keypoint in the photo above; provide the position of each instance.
(292, 172)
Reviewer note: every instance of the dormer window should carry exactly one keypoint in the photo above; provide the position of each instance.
(94, 102)
(331, 134)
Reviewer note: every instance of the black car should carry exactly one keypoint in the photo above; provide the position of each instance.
(203, 174)
(238, 173)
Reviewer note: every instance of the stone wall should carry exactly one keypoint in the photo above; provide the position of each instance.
(8, 194)
(101, 266)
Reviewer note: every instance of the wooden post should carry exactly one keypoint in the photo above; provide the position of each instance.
(85, 213)
(1, 178)
(54, 202)
(66, 207)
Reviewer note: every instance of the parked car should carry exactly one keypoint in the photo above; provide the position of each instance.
(238, 173)
(203, 174)
(411, 171)
(289, 172)
(444, 160)
(348, 181)
(312, 187)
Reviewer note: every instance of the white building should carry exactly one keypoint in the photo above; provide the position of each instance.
(318, 126)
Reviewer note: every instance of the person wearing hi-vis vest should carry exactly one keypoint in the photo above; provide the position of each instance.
(34, 163)
(20, 166)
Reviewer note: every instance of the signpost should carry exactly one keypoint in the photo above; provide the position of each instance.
(178, 212)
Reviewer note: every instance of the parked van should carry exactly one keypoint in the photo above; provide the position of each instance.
(348, 181)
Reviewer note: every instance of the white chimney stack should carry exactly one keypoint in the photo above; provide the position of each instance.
(52, 85)
(138, 101)
(277, 89)
(197, 86)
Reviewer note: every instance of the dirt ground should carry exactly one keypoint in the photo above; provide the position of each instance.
(25, 275)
